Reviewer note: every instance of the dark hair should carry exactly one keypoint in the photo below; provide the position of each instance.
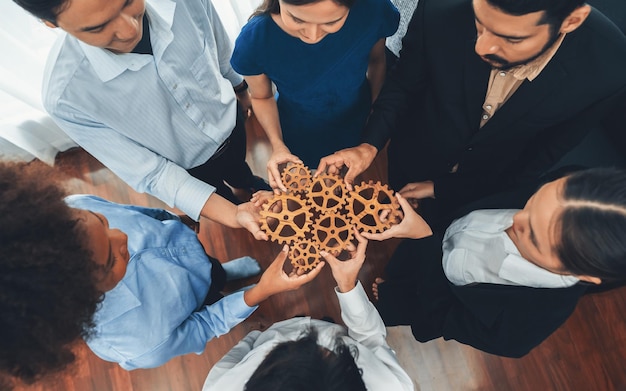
(303, 365)
(555, 11)
(48, 292)
(44, 9)
(592, 224)
(273, 6)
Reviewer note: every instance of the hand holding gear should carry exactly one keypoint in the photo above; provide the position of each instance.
(317, 214)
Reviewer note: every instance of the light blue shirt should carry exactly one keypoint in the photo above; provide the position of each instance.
(154, 313)
(476, 249)
(149, 118)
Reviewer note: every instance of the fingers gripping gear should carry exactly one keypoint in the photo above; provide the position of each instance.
(372, 207)
(318, 214)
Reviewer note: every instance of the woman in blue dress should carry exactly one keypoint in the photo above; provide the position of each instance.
(327, 61)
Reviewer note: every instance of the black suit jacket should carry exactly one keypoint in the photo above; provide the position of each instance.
(499, 319)
(431, 104)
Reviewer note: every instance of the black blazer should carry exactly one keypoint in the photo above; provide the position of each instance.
(431, 104)
(499, 319)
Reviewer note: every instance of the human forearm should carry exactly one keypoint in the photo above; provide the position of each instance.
(266, 112)
(193, 333)
(220, 210)
(137, 165)
(377, 68)
(361, 317)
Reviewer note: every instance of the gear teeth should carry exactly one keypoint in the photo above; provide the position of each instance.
(304, 256)
(327, 193)
(319, 213)
(333, 232)
(286, 218)
(367, 202)
(296, 177)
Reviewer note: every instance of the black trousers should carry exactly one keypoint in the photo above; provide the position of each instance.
(218, 280)
(228, 164)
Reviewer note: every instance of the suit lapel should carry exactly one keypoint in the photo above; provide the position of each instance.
(527, 96)
(476, 79)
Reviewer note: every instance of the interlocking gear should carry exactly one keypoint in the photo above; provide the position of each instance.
(319, 213)
(296, 177)
(327, 193)
(285, 218)
(304, 256)
(372, 207)
(333, 232)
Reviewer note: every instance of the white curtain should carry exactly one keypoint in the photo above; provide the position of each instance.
(26, 131)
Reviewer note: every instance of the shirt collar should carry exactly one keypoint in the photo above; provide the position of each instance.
(109, 65)
(532, 69)
(520, 271)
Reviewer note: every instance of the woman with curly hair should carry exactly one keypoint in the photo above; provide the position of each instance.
(48, 284)
(81, 266)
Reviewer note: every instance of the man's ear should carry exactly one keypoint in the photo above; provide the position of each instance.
(49, 24)
(575, 19)
(593, 280)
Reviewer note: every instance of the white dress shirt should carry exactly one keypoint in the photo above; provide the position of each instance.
(366, 333)
(150, 117)
(476, 249)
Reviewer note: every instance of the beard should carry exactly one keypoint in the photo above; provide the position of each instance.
(502, 64)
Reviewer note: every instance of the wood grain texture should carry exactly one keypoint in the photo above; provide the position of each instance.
(587, 353)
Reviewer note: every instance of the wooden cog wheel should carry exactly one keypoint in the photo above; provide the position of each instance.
(327, 193)
(286, 218)
(333, 232)
(366, 204)
(304, 256)
(296, 177)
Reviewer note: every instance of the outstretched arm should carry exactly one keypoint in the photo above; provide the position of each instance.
(359, 314)
(266, 111)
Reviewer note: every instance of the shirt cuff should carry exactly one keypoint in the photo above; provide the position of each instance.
(192, 195)
(237, 305)
(354, 301)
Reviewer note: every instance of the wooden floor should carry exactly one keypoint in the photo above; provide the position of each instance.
(587, 353)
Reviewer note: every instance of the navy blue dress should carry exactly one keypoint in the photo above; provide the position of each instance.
(324, 98)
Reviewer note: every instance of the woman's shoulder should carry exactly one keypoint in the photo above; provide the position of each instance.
(384, 6)
(257, 24)
(375, 13)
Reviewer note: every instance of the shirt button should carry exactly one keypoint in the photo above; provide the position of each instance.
(502, 74)
(488, 107)
(470, 149)
(485, 116)
(175, 86)
(187, 105)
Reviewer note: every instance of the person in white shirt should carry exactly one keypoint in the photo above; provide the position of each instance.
(504, 280)
(147, 89)
(309, 354)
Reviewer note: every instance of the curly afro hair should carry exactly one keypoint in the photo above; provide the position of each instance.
(48, 292)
